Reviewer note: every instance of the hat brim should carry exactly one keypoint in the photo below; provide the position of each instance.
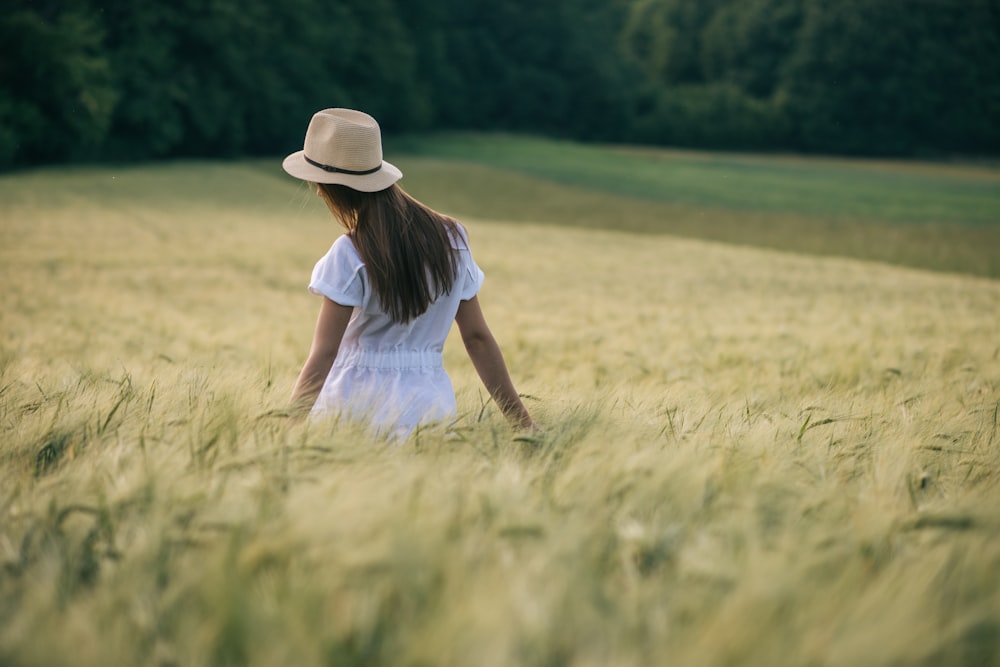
(296, 165)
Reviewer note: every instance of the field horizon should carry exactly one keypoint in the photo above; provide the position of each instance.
(750, 456)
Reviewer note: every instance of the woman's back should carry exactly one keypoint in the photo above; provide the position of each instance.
(342, 276)
(387, 372)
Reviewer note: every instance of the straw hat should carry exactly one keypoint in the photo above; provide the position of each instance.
(343, 146)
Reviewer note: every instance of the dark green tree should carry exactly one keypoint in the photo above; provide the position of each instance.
(747, 44)
(57, 94)
(117, 79)
(896, 76)
(664, 38)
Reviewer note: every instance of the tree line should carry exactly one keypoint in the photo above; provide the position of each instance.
(125, 80)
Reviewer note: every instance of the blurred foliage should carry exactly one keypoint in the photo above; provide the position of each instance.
(115, 79)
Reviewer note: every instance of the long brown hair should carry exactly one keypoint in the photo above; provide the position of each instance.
(406, 246)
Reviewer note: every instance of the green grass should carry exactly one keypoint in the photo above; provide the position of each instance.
(879, 191)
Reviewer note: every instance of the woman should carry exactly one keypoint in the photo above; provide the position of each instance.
(391, 287)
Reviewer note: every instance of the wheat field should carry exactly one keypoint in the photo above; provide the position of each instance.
(748, 458)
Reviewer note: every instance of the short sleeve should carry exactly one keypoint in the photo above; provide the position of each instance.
(472, 279)
(338, 276)
(470, 276)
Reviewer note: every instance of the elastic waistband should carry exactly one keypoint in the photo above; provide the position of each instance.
(389, 359)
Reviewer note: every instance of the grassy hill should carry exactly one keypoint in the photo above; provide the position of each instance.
(930, 215)
(750, 457)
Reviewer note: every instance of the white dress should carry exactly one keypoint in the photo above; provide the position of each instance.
(386, 374)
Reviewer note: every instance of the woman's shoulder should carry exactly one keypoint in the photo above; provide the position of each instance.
(343, 253)
(344, 246)
(459, 235)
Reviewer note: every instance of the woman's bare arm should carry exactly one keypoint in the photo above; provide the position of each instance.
(330, 327)
(489, 363)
